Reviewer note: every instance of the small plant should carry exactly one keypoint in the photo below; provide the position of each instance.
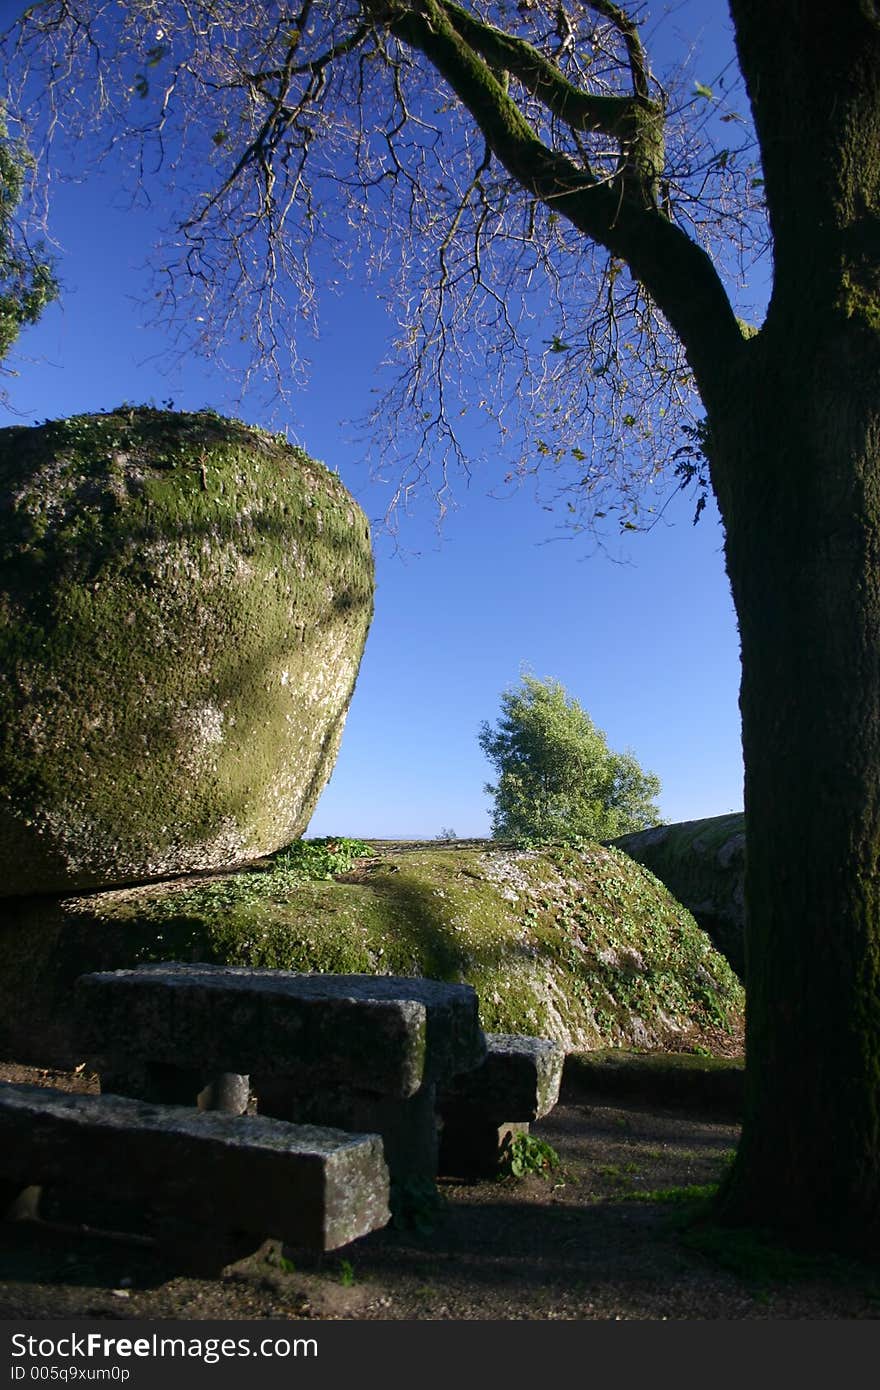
(280, 1261)
(317, 859)
(301, 862)
(346, 1273)
(528, 1154)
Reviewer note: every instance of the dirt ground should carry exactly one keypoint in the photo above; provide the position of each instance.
(576, 1243)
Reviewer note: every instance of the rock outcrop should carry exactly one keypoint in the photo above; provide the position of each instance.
(184, 602)
(703, 863)
(581, 946)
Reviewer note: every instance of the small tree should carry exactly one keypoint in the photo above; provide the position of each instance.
(557, 777)
(27, 283)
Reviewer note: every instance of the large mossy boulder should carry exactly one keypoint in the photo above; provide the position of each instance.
(703, 863)
(184, 602)
(583, 946)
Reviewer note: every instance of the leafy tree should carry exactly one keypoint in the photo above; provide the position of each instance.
(557, 777)
(27, 283)
(557, 216)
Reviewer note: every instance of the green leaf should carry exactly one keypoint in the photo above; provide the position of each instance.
(703, 91)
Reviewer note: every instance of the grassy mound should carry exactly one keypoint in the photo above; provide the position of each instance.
(583, 946)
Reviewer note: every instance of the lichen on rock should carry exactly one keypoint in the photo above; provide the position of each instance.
(184, 602)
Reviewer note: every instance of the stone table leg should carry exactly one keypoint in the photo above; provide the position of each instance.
(408, 1127)
(19, 1203)
(163, 1084)
(199, 1250)
(473, 1147)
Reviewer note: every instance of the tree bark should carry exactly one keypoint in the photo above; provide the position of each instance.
(795, 457)
(796, 460)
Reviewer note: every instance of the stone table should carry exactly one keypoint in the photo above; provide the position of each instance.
(355, 1052)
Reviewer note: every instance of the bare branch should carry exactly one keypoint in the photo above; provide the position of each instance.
(522, 193)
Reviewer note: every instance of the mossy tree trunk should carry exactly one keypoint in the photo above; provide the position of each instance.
(795, 444)
(793, 415)
(802, 512)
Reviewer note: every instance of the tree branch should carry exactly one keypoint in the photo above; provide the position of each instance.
(676, 272)
(628, 118)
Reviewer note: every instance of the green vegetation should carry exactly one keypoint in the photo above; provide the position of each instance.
(761, 1260)
(791, 411)
(416, 1205)
(673, 1078)
(693, 1194)
(557, 778)
(305, 861)
(279, 1260)
(525, 1154)
(27, 279)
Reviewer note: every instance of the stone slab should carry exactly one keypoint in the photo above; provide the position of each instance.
(311, 1186)
(386, 1034)
(519, 1080)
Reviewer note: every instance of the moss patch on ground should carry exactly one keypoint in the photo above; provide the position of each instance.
(583, 946)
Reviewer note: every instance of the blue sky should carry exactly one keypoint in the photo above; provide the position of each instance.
(645, 637)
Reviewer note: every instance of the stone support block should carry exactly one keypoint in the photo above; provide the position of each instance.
(408, 1126)
(163, 1084)
(482, 1109)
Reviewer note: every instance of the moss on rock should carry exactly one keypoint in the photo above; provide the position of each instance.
(184, 602)
(583, 946)
(703, 863)
(713, 1083)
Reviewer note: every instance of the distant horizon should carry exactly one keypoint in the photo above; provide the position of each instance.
(442, 839)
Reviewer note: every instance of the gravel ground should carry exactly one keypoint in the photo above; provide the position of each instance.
(574, 1244)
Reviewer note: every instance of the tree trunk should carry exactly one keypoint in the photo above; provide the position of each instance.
(796, 464)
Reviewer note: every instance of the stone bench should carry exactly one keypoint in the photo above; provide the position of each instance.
(217, 1184)
(485, 1108)
(356, 1052)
